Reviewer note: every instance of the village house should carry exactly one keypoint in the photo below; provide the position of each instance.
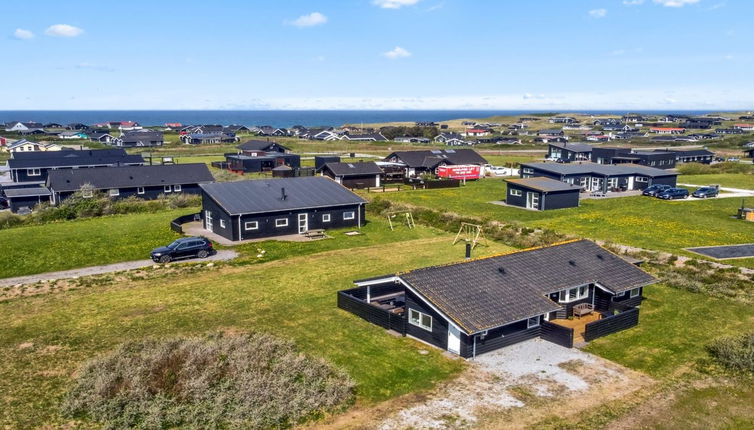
(541, 193)
(34, 166)
(601, 177)
(416, 163)
(568, 152)
(139, 138)
(614, 155)
(363, 174)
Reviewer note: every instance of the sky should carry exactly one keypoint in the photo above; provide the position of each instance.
(377, 54)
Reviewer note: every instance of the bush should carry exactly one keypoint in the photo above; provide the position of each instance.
(709, 169)
(734, 352)
(218, 381)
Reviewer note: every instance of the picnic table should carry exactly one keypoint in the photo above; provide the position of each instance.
(315, 234)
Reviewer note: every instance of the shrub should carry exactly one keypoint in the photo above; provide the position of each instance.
(8, 219)
(217, 381)
(734, 352)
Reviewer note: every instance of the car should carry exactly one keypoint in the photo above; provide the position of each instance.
(3, 203)
(673, 193)
(654, 189)
(736, 159)
(186, 247)
(705, 192)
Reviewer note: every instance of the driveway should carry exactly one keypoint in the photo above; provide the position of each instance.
(725, 192)
(221, 255)
(536, 378)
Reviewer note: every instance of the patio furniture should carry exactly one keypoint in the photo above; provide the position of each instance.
(314, 234)
(583, 309)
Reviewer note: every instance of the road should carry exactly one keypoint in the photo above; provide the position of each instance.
(222, 255)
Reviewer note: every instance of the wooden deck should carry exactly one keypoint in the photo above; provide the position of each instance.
(578, 324)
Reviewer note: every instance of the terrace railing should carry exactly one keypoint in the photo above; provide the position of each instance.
(611, 324)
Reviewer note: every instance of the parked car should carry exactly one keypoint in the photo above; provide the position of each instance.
(705, 192)
(655, 189)
(3, 203)
(674, 193)
(186, 247)
(733, 159)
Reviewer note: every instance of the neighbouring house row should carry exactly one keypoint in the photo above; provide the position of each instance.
(659, 158)
(565, 293)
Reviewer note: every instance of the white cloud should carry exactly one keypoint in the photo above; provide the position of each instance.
(394, 4)
(22, 34)
(63, 30)
(91, 66)
(396, 52)
(598, 13)
(529, 96)
(310, 20)
(633, 2)
(675, 3)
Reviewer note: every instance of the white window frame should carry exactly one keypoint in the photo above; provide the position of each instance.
(582, 292)
(33, 172)
(349, 215)
(166, 189)
(528, 170)
(247, 225)
(87, 194)
(283, 224)
(418, 321)
(516, 193)
(177, 188)
(113, 192)
(326, 217)
(529, 322)
(634, 292)
(641, 179)
(222, 223)
(140, 190)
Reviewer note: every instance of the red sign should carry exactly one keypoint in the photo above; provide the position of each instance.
(465, 171)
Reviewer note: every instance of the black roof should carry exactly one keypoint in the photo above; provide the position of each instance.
(26, 192)
(70, 158)
(142, 136)
(490, 292)
(541, 183)
(129, 176)
(352, 169)
(599, 169)
(575, 147)
(265, 195)
(692, 152)
(260, 145)
(431, 158)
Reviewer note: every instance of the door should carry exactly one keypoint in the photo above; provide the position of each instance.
(532, 200)
(208, 220)
(303, 223)
(454, 339)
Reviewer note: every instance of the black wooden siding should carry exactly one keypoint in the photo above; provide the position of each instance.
(230, 231)
(266, 221)
(439, 334)
(557, 334)
(150, 193)
(373, 314)
(16, 203)
(497, 338)
(611, 324)
(547, 201)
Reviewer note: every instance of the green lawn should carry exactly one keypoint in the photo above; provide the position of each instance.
(43, 339)
(639, 221)
(733, 180)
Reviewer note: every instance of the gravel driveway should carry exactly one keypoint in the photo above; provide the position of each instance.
(221, 255)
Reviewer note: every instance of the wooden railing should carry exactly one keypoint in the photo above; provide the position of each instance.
(611, 324)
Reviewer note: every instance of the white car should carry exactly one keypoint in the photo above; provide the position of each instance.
(502, 171)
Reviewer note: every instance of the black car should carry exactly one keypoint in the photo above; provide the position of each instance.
(655, 189)
(186, 247)
(674, 193)
(705, 192)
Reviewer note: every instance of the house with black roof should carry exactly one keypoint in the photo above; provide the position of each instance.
(208, 138)
(613, 155)
(144, 182)
(427, 161)
(261, 162)
(101, 136)
(25, 199)
(363, 174)
(277, 207)
(253, 148)
(601, 177)
(541, 193)
(702, 156)
(35, 165)
(568, 152)
(139, 138)
(480, 305)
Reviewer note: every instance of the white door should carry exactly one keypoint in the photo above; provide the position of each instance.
(208, 220)
(532, 200)
(303, 223)
(454, 339)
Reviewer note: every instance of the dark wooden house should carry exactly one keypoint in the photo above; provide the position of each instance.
(568, 152)
(255, 148)
(362, 174)
(657, 159)
(541, 194)
(35, 165)
(266, 161)
(480, 305)
(702, 156)
(601, 177)
(321, 160)
(145, 182)
(276, 207)
(416, 163)
(24, 199)
(140, 138)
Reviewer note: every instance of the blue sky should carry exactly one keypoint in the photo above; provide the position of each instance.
(378, 54)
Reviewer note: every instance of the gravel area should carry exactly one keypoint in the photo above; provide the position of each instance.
(109, 268)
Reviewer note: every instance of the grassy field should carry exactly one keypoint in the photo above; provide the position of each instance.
(733, 180)
(638, 221)
(43, 339)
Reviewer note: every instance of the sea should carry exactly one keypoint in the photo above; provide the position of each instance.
(276, 118)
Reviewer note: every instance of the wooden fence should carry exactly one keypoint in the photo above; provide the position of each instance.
(177, 224)
(373, 314)
(611, 324)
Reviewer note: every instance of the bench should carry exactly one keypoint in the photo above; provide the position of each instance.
(582, 309)
(314, 234)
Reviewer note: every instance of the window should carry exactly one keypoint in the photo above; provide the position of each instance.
(251, 225)
(573, 294)
(349, 215)
(177, 188)
(33, 172)
(419, 319)
(166, 188)
(532, 322)
(642, 179)
(87, 193)
(222, 223)
(140, 190)
(114, 192)
(635, 292)
(325, 217)
(281, 222)
(528, 170)
(516, 193)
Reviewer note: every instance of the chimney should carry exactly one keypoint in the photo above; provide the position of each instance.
(282, 193)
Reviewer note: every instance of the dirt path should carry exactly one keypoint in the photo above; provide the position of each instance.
(222, 255)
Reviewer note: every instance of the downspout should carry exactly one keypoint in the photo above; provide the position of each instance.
(473, 349)
(239, 228)
(359, 215)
